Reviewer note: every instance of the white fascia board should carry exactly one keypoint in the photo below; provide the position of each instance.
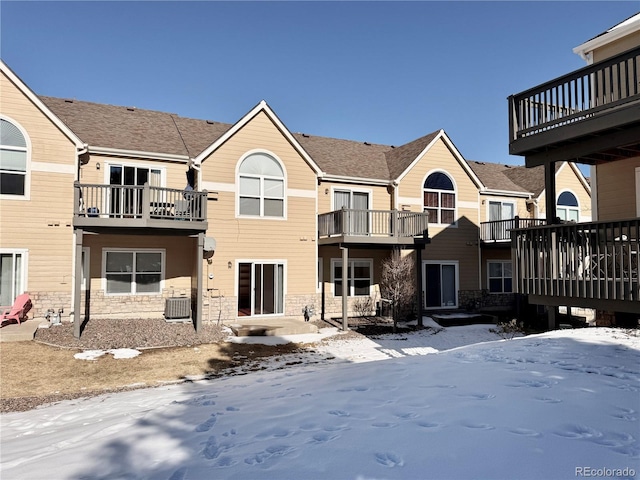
(138, 154)
(262, 106)
(79, 144)
(458, 156)
(359, 180)
(580, 176)
(621, 30)
(506, 193)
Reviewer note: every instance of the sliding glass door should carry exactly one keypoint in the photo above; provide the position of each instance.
(440, 280)
(260, 288)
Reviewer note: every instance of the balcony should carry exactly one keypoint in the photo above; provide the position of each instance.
(588, 116)
(373, 227)
(593, 265)
(138, 206)
(499, 231)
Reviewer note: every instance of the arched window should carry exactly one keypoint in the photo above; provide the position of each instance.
(261, 180)
(568, 208)
(440, 198)
(13, 160)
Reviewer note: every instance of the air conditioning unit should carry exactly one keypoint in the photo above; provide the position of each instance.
(177, 308)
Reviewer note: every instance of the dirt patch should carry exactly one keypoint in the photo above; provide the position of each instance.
(34, 374)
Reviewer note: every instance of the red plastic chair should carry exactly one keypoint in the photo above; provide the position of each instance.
(18, 312)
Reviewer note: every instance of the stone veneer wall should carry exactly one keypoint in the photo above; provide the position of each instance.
(226, 308)
(474, 299)
(43, 301)
(126, 306)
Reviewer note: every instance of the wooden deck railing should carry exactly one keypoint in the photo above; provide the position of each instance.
(138, 202)
(586, 93)
(500, 230)
(596, 260)
(373, 223)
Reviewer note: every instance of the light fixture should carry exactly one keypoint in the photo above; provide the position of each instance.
(229, 265)
(98, 166)
(326, 191)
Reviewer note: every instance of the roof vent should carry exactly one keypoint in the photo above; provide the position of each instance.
(210, 122)
(367, 143)
(68, 100)
(305, 135)
(131, 109)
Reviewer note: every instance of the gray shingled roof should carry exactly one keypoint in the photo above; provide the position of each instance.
(511, 178)
(125, 128)
(136, 129)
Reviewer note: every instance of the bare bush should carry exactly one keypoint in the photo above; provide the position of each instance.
(398, 284)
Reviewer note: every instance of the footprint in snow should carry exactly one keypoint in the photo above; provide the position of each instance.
(213, 449)
(548, 399)
(389, 459)
(206, 425)
(384, 424)
(478, 426)
(429, 424)
(525, 432)
(275, 432)
(273, 451)
(625, 414)
(339, 413)
(323, 437)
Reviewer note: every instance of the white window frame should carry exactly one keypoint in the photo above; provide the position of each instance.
(105, 251)
(567, 208)
(350, 282)
(489, 277)
(502, 203)
(456, 265)
(27, 174)
(440, 192)
(254, 262)
(262, 178)
(23, 271)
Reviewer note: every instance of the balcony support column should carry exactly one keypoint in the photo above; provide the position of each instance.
(419, 284)
(77, 284)
(345, 288)
(198, 290)
(550, 192)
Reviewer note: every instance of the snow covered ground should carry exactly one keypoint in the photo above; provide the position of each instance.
(458, 402)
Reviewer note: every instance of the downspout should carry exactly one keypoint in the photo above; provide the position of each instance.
(79, 153)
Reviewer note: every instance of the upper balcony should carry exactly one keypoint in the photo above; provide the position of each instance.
(588, 116)
(593, 265)
(373, 227)
(498, 232)
(99, 207)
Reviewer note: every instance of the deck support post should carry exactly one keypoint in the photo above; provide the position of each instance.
(419, 285)
(345, 288)
(197, 305)
(77, 284)
(552, 218)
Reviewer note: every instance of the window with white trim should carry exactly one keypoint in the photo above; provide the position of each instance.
(439, 198)
(133, 272)
(13, 160)
(499, 276)
(359, 277)
(568, 208)
(262, 187)
(13, 265)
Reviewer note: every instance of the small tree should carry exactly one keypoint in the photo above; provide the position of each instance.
(398, 284)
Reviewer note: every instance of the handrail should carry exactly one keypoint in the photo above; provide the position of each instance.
(595, 260)
(500, 230)
(376, 223)
(139, 202)
(576, 96)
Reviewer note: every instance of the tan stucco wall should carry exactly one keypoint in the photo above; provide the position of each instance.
(41, 224)
(566, 179)
(614, 48)
(291, 240)
(457, 242)
(616, 184)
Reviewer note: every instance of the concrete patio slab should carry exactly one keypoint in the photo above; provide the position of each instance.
(20, 333)
(270, 327)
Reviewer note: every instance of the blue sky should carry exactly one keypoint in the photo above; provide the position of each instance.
(382, 72)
